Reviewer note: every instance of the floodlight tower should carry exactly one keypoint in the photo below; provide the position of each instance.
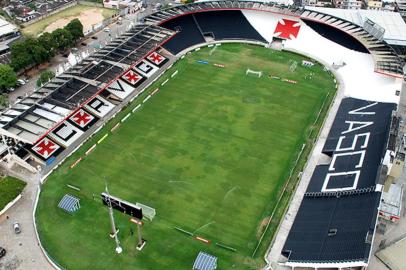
(119, 249)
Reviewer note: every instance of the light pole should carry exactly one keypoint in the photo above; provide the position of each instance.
(119, 249)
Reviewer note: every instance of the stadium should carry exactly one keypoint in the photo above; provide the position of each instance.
(213, 118)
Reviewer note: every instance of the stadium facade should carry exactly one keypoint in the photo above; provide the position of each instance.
(335, 224)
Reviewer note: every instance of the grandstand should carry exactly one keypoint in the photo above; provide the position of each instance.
(335, 224)
(40, 126)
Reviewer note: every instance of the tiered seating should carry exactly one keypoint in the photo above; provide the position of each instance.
(227, 25)
(34, 115)
(384, 56)
(188, 34)
(337, 36)
(73, 92)
(329, 229)
(336, 219)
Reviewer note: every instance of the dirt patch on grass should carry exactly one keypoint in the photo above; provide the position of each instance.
(87, 17)
(262, 226)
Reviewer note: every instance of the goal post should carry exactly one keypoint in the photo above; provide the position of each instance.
(253, 72)
(147, 211)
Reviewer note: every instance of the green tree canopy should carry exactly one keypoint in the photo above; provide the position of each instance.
(63, 39)
(45, 77)
(47, 42)
(20, 58)
(38, 52)
(8, 77)
(75, 27)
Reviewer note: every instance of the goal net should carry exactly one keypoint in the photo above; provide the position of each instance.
(147, 211)
(253, 72)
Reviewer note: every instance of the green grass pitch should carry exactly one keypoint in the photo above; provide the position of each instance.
(210, 152)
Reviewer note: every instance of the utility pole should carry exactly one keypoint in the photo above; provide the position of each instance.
(113, 225)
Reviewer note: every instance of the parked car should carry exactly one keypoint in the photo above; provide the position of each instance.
(93, 37)
(2, 252)
(106, 29)
(83, 44)
(21, 82)
(16, 227)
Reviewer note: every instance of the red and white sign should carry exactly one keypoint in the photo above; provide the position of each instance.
(287, 29)
(45, 148)
(156, 58)
(81, 118)
(132, 77)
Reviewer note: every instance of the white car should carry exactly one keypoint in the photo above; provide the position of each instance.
(21, 82)
(106, 29)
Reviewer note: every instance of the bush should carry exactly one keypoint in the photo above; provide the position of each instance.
(45, 77)
(10, 187)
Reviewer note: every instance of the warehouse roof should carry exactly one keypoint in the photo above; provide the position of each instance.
(6, 27)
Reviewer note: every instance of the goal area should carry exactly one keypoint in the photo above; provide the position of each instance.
(253, 72)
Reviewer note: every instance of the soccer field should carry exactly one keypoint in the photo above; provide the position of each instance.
(210, 152)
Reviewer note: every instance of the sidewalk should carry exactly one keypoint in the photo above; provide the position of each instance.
(23, 251)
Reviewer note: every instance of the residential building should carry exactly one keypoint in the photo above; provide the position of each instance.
(8, 34)
(349, 4)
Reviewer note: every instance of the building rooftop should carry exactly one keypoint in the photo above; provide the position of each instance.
(6, 27)
(392, 22)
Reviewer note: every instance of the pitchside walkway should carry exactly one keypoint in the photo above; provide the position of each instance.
(23, 251)
(274, 253)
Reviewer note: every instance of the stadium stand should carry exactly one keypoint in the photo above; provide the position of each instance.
(188, 34)
(227, 25)
(385, 58)
(28, 121)
(337, 36)
(336, 219)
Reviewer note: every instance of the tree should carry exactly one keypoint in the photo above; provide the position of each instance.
(8, 77)
(47, 42)
(20, 59)
(45, 77)
(63, 39)
(38, 52)
(75, 27)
